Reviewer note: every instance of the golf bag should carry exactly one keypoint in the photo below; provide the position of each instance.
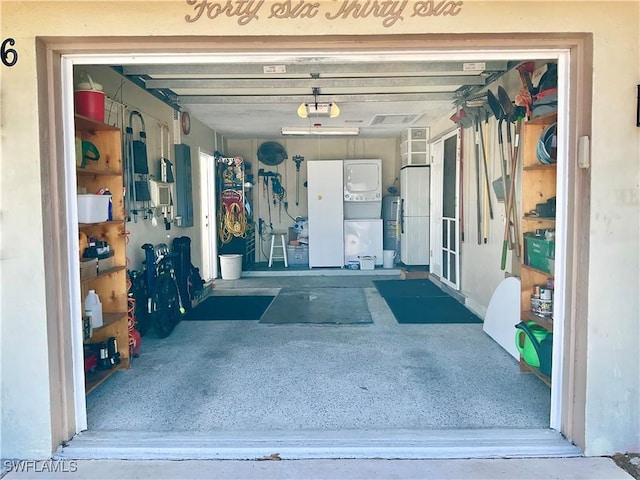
(190, 282)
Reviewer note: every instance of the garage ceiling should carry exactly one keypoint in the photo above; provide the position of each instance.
(257, 99)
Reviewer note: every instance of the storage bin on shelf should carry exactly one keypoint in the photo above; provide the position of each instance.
(538, 249)
(93, 208)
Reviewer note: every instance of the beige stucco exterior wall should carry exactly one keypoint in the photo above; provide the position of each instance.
(612, 391)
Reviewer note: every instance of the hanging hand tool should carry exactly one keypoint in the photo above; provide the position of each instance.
(130, 181)
(298, 159)
(477, 165)
(479, 107)
(508, 110)
(487, 209)
(278, 193)
(514, 206)
(461, 150)
(512, 116)
(500, 115)
(486, 172)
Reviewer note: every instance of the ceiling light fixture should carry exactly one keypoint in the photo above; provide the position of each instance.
(320, 130)
(316, 109)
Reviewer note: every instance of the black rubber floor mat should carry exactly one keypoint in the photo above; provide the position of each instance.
(430, 310)
(408, 288)
(240, 307)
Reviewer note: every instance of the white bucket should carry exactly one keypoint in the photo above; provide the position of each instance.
(387, 258)
(93, 208)
(231, 266)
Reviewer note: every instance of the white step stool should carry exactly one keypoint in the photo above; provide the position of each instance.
(282, 247)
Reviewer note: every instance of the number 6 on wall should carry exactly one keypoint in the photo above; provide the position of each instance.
(8, 55)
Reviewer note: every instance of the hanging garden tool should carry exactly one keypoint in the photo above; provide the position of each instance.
(514, 115)
(476, 153)
(138, 166)
(501, 185)
(483, 148)
(509, 113)
(524, 97)
(279, 193)
(516, 152)
(486, 146)
(298, 159)
(479, 108)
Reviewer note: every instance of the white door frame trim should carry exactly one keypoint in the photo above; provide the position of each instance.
(443, 138)
(208, 210)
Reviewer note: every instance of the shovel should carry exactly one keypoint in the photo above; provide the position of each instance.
(496, 109)
(484, 158)
(478, 108)
(508, 109)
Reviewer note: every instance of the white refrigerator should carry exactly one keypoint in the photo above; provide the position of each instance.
(325, 203)
(414, 214)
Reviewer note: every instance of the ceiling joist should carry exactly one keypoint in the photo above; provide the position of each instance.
(296, 99)
(303, 69)
(182, 83)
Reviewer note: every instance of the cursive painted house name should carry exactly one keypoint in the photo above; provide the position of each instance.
(389, 11)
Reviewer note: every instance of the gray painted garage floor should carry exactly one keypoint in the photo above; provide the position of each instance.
(245, 376)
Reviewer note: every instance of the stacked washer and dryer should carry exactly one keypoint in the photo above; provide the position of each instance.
(363, 224)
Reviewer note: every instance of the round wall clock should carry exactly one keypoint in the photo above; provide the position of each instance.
(186, 123)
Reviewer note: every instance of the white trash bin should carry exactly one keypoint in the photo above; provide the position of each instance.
(231, 266)
(387, 258)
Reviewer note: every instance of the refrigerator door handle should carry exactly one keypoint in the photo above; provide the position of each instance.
(401, 216)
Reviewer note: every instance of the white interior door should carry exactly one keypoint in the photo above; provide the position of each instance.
(450, 221)
(208, 211)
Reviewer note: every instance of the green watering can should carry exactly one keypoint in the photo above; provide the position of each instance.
(535, 344)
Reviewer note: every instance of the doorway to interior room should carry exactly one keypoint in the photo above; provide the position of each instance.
(445, 209)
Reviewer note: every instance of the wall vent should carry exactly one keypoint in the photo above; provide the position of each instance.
(395, 119)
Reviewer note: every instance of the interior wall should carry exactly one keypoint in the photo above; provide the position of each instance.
(480, 272)
(311, 149)
(612, 392)
(155, 113)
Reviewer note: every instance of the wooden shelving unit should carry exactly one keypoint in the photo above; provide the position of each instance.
(110, 284)
(538, 185)
(528, 368)
(95, 379)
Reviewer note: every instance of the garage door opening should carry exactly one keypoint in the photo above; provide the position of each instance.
(562, 59)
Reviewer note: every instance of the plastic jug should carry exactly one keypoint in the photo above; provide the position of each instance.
(93, 308)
